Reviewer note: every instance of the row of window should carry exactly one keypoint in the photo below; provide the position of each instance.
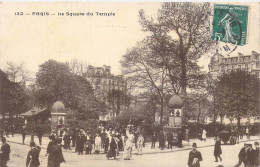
(235, 59)
(108, 88)
(240, 66)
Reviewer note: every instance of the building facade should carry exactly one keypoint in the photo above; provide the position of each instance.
(103, 82)
(220, 64)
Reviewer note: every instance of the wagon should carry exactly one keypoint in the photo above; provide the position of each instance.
(227, 138)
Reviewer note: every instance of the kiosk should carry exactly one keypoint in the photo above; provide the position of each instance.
(174, 126)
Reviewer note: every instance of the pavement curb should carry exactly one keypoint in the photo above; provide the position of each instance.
(190, 148)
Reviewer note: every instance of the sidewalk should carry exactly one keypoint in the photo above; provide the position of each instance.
(146, 150)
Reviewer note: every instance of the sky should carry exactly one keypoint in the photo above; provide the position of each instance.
(94, 40)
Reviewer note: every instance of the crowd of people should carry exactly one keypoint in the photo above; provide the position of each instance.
(112, 141)
(108, 141)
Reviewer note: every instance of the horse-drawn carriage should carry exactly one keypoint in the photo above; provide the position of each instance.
(228, 137)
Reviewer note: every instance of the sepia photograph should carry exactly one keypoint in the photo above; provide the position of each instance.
(129, 84)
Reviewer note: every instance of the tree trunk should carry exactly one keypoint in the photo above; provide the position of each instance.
(214, 111)
(161, 112)
(198, 119)
(183, 76)
(221, 120)
(238, 122)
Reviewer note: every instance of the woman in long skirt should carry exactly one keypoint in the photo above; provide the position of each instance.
(112, 149)
(97, 144)
(128, 149)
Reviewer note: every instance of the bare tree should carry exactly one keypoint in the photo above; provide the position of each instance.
(77, 67)
(183, 29)
(140, 69)
(17, 72)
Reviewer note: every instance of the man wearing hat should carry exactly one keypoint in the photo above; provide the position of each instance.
(257, 154)
(242, 155)
(5, 149)
(194, 157)
(250, 157)
(33, 156)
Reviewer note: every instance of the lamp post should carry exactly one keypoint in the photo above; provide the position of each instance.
(33, 126)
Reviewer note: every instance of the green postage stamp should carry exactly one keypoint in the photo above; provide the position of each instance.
(230, 24)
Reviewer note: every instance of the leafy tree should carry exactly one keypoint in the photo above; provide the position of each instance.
(56, 82)
(13, 97)
(4, 93)
(237, 95)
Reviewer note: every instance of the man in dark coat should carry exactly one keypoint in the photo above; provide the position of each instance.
(250, 161)
(161, 141)
(66, 139)
(39, 132)
(217, 150)
(169, 140)
(5, 149)
(80, 143)
(33, 156)
(23, 133)
(54, 150)
(106, 143)
(194, 157)
(257, 155)
(242, 155)
(153, 140)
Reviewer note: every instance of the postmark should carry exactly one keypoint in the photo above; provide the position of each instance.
(230, 27)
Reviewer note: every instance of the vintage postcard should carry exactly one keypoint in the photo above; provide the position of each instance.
(129, 84)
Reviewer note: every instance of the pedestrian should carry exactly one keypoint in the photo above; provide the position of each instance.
(106, 143)
(39, 132)
(23, 133)
(257, 154)
(217, 149)
(112, 148)
(242, 156)
(194, 157)
(153, 141)
(50, 150)
(187, 131)
(88, 145)
(247, 133)
(200, 134)
(66, 139)
(54, 151)
(12, 128)
(33, 156)
(179, 137)
(97, 144)
(73, 137)
(120, 142)
(123, 141)
(127, 150)
(250, 161)
(5, 149)
(204, 135)
(169, 140)
(140, 141)
(241, 133)
(80, 143)
(161, 141)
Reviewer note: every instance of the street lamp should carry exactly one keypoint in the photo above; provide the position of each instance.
(33, 126)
